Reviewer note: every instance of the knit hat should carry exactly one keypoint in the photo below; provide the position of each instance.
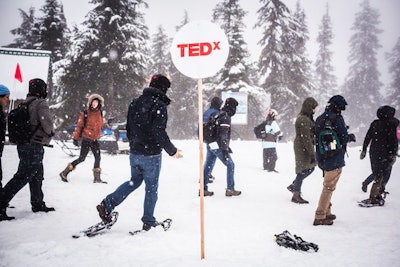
(216, 102)
(230, 106)
(37, 87)
(339, 101)
(4, 90)
(161, 82)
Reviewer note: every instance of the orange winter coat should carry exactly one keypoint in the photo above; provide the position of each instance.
(93, 127)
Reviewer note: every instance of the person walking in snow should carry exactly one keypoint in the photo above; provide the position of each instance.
(272, 133)
(146, 130)
(221, 149)
(331, 166)
(30, 168)
(215, 108)
(4, 101)
(88, 127)
(383, 143)
(304, 148)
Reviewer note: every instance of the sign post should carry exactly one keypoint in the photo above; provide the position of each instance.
(200, 50)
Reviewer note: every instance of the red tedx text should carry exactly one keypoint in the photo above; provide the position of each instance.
(197, 49)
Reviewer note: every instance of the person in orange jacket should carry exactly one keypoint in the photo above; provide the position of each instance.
(88, 128)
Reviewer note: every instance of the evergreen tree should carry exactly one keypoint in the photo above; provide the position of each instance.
(235, 75)
(53, 35)
(362, 86)
(53, 29)
(283, 65)
(27, 35)
(160, 58)
(183, 110)
(107, 56)
(394, 69)
(326, 85)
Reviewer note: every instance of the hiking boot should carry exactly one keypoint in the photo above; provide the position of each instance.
(65, 172)
(207, 193)
(290, 188)
(230, 193)
(103, 213)
(96, 175)
(147, 227)
(330, 217)
(298, 199)
(4, 216)
(323, 222)
(364, 187)
(42, 208)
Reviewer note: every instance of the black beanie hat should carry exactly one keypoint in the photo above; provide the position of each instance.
(38, 87)
(230, 106)
(161, 82)
(339, 101)
(216, 102)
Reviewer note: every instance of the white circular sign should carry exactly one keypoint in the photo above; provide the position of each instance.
(199, 49)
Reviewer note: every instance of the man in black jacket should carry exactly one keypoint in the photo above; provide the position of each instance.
(221, 149)
(4, 100)
(146, 130)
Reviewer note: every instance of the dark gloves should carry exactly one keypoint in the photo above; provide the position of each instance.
(75, 142)
(225, 155)
(363, 154)
(392, 160)
(352, 138)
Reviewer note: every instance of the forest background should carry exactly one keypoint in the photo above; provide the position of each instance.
(111, 52)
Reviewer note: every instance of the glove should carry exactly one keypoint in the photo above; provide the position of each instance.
(75, 142)
(392, 160)
(352, 138)
(225, 156)
(363, 154)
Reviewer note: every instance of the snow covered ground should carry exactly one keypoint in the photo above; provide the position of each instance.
(239, 231)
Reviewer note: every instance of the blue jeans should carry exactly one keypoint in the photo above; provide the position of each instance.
(30, 170)
(212, 155)
(299, 179)
(143, 168)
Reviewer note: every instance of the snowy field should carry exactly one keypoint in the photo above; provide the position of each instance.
(239, 231)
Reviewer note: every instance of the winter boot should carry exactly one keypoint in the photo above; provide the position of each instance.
(233, 192)
(103, 213)
(65, 172)
(325, 221)
(207, 193)
(364, 187)
(96, 174)
(298, 199)
(4, 216)
(290, 187)
(42, 208)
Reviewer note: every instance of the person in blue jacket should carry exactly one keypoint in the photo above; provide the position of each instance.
(332, 165)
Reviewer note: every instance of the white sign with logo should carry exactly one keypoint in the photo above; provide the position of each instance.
(199, 49)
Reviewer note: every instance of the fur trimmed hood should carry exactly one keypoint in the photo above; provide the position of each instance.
(94, 96)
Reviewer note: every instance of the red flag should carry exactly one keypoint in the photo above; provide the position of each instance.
(17, 74)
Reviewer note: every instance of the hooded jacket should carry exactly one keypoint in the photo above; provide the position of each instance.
(147, 123)
(381, 137)
(304, 141)
(94, 120)
(333, 113)
(41, 120)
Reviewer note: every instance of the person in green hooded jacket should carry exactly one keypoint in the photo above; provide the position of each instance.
(304, 148)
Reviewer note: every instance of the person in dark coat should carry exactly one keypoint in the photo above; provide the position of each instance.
(146, 130)
(332, 165)
(221, 149)
(30, 168)
(383, 145)
(215, 108)
(4, 101)
(304, 148)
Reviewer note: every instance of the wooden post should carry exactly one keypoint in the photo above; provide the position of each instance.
(200, 100)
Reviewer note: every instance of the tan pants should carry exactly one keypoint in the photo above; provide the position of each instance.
(324, 206)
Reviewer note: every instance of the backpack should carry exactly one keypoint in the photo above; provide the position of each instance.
(328, 143)
(259, 130)
(210, 129)
(19, 125)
